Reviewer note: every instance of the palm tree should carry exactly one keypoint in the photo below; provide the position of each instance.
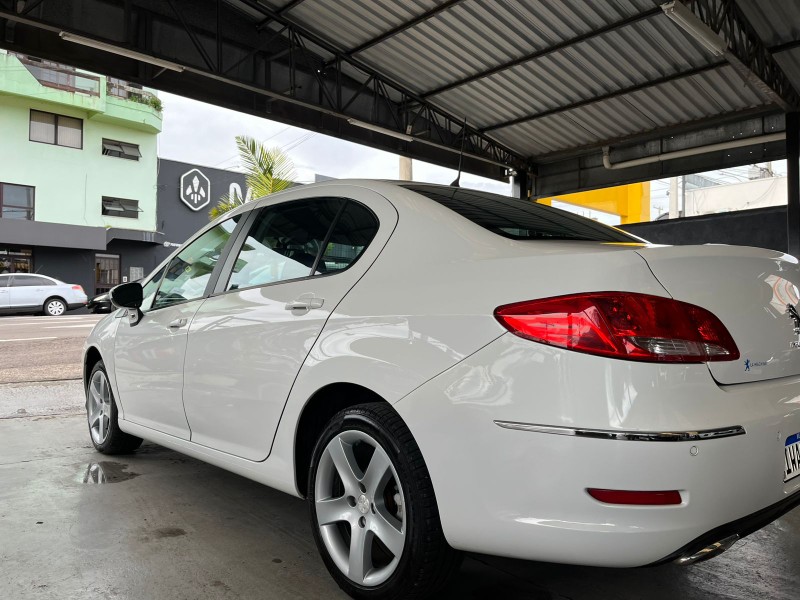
(267, 170)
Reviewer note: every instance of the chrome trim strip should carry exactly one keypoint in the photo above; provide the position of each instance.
(631, 436)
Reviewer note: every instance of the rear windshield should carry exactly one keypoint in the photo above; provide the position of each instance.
(518, 219)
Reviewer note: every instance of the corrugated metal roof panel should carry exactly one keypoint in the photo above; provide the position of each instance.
(789, 62)
(478, 35)
(775, 21)
(581, 72)
(349, 23)
(712, 93)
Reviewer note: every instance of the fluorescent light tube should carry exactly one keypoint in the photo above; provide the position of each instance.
(84, 41)
(383, 130)
(684, 18)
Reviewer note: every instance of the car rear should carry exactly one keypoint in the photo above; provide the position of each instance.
(642, 404)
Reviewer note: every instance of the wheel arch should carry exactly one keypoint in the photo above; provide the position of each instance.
(320, 408)
(90, 358)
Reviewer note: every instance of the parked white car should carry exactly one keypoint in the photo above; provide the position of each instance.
(441, 370)
(34, 293)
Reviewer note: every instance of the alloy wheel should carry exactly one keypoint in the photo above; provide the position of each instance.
(360, 509)
(98, 407)
(55, 308)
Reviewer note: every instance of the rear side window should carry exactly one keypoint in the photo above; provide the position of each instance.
(518, 219)
(354, 230)
(5, 280)
(284, 242)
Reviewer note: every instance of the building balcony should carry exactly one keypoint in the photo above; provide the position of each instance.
(104, 98)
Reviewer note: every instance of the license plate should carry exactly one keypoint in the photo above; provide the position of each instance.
(792, 455)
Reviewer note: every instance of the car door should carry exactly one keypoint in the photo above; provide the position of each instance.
(27, 291)
(5, 280)
(248, 341)
(149, 354)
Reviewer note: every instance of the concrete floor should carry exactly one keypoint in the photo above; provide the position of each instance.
(166, 527)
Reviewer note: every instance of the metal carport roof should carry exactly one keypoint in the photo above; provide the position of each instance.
(543, 85)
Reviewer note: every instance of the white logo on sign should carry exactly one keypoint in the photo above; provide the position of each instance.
(195, 189)
(235, 192)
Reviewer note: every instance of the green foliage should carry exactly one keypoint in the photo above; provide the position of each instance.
(267, 170)
(155, 102)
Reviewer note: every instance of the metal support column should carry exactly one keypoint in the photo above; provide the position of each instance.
(793, 182)
(520, 185)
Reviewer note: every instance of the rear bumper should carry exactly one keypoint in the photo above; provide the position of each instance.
(523, 493)
(739, 528)
(74, 305)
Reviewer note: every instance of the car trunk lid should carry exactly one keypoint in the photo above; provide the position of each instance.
(749, 290)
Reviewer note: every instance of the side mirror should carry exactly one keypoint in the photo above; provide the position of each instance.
(127, 295)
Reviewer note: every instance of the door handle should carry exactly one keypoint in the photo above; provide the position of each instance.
(177, 323)
(305, 302)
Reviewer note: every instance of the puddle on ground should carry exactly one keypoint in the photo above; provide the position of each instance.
(105, 471)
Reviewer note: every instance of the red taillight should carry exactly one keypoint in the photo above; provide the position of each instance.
(622, 325)
(662, 498)
(78, 287)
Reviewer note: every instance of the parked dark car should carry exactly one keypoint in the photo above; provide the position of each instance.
(100, 304)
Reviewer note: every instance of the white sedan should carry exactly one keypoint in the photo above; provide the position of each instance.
(34, 293)
(441, 370)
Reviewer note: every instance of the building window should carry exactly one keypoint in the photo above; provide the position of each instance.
(120, 207)
(16, 260)
(49, 128)
(121, 149)
(16, 201)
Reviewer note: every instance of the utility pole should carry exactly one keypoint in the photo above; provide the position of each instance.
(673, 198)
(406, 173)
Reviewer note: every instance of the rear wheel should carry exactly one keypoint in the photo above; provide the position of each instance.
(373, 510)
(55, 307)
(101, 413)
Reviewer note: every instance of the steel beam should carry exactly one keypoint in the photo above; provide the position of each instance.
(793, 182)
(745, 51)
(544, 52)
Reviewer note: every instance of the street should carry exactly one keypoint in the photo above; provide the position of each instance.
(37, 348)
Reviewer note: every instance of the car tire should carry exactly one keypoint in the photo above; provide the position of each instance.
(54, 307)
(101, 414)
(399, 550)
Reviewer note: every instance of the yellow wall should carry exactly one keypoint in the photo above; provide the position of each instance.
(630, 202)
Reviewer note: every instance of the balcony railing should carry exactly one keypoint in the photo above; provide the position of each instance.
(126, 91)
(61, 77)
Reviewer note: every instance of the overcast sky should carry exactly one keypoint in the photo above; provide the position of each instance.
(203, 134)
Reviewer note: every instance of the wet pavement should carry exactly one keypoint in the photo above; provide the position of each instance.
(159, 525)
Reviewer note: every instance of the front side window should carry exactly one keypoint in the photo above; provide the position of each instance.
(188, 274)
(149, 289)
(121, 207)
(60, 130)
(5, 280)
(16, 201)
(284, 242)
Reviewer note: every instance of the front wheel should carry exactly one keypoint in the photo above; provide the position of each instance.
(101, 412)
(373, 510)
